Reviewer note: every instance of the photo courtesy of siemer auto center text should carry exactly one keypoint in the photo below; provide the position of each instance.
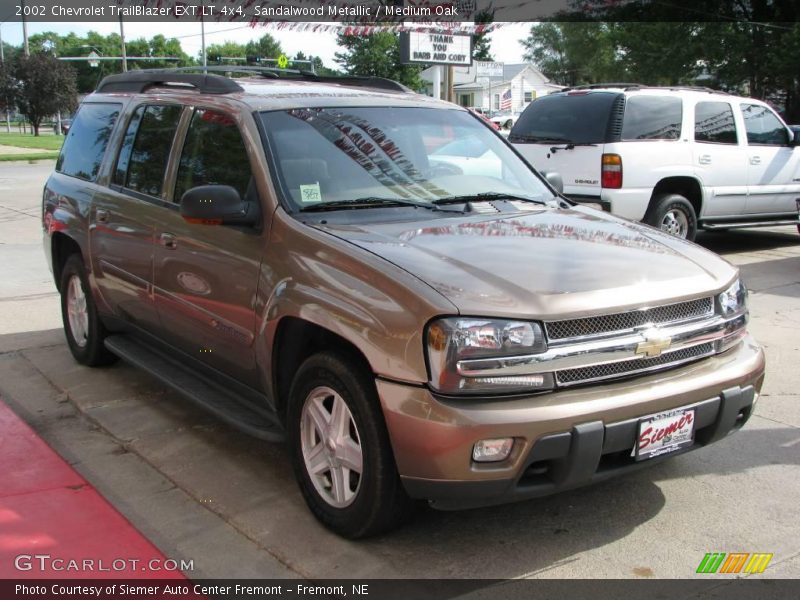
(399, 299)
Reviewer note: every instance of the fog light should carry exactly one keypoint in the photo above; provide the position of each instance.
(492, 450)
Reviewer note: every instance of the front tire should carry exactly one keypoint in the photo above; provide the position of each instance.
(673, 214)
(82, 326)
(340, 448)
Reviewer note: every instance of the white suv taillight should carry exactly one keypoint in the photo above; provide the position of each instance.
(611, 173)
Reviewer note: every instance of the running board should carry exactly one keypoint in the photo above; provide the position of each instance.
(194, 385)
(744, 224)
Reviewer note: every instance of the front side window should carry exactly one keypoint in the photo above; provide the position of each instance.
(763, 127)
(652, 118)
(213, 154)
(405, 154)
(713, 123)
(149, 152)
(86, 143)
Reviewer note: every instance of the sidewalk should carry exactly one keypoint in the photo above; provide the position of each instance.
(48, 510)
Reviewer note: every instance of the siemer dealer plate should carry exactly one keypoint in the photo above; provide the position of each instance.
(664, 432)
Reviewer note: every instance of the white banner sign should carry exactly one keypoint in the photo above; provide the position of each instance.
(435, 48)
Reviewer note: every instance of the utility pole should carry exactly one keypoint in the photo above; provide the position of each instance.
(203, 37)
(24, 29)
(3, 60)
(122, 39)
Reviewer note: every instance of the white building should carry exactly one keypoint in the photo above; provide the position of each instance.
(525, 82)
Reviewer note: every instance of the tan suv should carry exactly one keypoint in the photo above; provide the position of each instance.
(380, 278)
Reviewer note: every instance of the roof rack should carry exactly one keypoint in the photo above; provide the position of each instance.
(641, 86)
(139, 81)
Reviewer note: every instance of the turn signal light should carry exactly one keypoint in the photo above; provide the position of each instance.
(611, 173)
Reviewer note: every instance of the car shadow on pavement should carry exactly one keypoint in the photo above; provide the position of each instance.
(744, 240)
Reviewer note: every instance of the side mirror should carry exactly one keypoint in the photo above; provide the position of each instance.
(795, 141)
(217, 205)
(554, 179)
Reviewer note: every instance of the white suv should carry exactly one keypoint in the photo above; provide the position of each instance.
(676, 158)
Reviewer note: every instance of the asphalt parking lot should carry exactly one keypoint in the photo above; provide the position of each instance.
(202, 491)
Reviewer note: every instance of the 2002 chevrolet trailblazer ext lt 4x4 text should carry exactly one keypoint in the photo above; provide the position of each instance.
(325, 260)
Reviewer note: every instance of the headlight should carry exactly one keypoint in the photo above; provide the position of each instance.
(455, 339)
(732, 305)
(733, 301)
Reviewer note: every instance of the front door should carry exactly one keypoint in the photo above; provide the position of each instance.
(206, 276)
(773, 169)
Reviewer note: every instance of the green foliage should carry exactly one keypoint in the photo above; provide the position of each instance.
(41, 85)
(574, 53)
(377, 55)
(20, 140)
(481, 44)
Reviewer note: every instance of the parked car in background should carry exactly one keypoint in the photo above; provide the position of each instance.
(504, 119)
(483, 117)
(377, 278)
(65, 125)
(680, 159)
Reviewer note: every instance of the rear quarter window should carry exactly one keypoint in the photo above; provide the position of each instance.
(86, 143)
(652, 118)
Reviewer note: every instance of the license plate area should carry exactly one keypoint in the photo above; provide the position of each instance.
(665, 432)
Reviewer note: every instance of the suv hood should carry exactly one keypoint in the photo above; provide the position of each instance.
(544, 263)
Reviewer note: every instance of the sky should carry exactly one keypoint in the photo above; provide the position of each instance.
(505, 40)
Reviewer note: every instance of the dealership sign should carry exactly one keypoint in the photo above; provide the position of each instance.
(417, 47)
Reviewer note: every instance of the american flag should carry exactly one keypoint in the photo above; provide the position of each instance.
(505, 100)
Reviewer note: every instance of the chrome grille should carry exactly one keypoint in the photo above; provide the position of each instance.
(625, 321)
(629, 367)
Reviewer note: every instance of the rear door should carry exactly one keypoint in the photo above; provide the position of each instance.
(566, 133)
(125, 215)
(720, 159)
(206, 276)
(773, 170)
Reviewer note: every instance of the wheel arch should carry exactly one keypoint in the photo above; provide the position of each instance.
(62, 246)
(688, 187)
(296, 340)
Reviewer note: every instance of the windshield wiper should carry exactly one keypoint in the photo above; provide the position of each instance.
(538, 139)
(570, 146)
(484, 197)
(366, 202)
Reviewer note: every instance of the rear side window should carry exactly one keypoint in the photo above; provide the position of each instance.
(213, 153)
(580, 118)
(763, 127)
(713, 123)
(652, 118)
(88, 137)
(146, 147)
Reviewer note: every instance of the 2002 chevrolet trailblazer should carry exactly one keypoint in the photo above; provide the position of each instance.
(382, 280)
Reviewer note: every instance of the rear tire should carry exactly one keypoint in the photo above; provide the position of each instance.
(673, 214)
(336, 427)
(82, 326)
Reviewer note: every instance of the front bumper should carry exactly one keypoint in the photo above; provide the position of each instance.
(563, 439)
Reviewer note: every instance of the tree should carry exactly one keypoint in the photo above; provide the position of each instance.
(216, 52)
(481, 44)
(377, 55)
(44, 86)
(574, 53)
(266, 47)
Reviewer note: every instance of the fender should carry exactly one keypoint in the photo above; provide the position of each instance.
(328, 282)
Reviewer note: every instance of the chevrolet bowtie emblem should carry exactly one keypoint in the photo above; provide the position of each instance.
(655, 343)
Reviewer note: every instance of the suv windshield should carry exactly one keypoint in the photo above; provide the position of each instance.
(578, 118)
(341, 155)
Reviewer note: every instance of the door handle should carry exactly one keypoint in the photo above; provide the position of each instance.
(101, 216)
(168, 240)
(755, 160)
(705, 159)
